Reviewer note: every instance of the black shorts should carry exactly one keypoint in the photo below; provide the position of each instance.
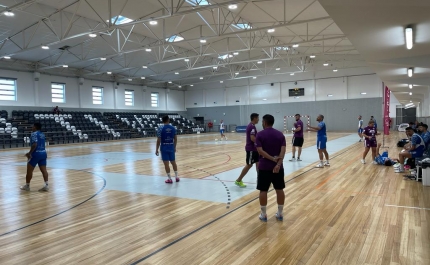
(298, 141)
(252, 157)
(267, 177)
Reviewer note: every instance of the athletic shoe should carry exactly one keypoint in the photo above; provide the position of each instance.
(399, 170)
(263, 217)
(374, 162)
(298, 160)
(363, 161)
(292, 159)
(359, 140)
(25, 187)
(169, 181)
(327, 164)
(177, 179)
(396, 165)
(45, 188)
(320, 166)
(240, 184)
(279, 217)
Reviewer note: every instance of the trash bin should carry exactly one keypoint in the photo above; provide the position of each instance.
(426, 173)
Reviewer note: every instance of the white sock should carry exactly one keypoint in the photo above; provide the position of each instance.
(263, 210)
(280, 209)
(321, 162)
(176, 174)
(168, 175)
(27, 184)
(328, 162)
(46, 183)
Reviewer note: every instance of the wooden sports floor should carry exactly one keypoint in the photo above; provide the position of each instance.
(349, 213)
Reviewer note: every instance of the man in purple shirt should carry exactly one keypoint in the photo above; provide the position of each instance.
(297, 138)
(271, 147)
(369, 133)
(251, 150)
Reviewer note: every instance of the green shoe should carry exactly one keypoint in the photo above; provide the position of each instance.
(240, 184)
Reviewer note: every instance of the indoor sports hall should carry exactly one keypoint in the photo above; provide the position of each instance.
(110, 95)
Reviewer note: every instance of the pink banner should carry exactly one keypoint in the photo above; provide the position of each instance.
(386, 111)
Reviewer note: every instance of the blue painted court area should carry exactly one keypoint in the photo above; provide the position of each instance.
(220, 142)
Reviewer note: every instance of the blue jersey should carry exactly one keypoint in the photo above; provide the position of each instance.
(426, 138)
(418, 143)
(167, 134)
(380, 159)
(38, 138)
(322, 131)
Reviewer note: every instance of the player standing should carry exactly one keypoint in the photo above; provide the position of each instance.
(369, 135)
(36, 156)
(297, 138)
(360, 127)
(251, 151)
(321, 141)
(167, 139)
(221, 130)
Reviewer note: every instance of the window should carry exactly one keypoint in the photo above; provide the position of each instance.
(97, 95)
(58, 92)
(120, 20)
(174, 38)
(225, 56)
(129, 98)
(7, 89)
(198, 2)
(154, 100)
(242, 26)
(282, 48)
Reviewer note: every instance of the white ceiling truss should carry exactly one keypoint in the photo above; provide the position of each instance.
(240, 35)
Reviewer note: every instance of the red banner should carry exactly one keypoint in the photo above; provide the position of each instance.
(386, 111)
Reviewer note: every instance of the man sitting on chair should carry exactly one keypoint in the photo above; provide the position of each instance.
(414, 150)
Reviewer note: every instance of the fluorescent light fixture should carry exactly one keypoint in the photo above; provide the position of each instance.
(144, 66)
(170, 82)
(409, 104)
(201, 77)
(233, 6)
(9, 13)
(260, 62)
(187, 60)
(180, 86)
(130, 79)
(153, 22)
(410, 86)
(312, 56)
(254, 77)
(410, 100)
(410, 72)
(264, 98)
(45, 47)
(409, 38)
(236, 53)
(6, 57)
(191, 85)
(271, 30)
(92, 35)
(230, 55)
(142, 77)
(214, 67)
(103, 59)
(410, 93)
(295, 45)
(363, 93)
(109, 73)
(65, 65)
(176, 73)
(202, 41)
(221, 82)
(334, 70)
(330, 95)
(148, 50)
(292, 74)
(326, 64)
(277, 69)
(236, 73)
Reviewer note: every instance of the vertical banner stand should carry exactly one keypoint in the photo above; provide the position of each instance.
(386, 113)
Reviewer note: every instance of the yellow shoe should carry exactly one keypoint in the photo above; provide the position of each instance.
(240, 184)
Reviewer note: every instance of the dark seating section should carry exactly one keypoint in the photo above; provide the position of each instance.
(81, 126)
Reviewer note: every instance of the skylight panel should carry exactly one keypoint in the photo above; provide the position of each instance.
(174, 38)
(120, 20)
(242, 26)
(198, 2)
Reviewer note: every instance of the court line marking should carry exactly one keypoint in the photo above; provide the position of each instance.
(66, 210)
(224, 215)
(409, 207)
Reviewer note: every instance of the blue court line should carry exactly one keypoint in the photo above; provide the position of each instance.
(224, 215)
(57, 214)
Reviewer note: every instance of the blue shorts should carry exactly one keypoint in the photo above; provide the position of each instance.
(321, 143)
(168, 156)
(360, 130)
(416, 154)
(37, 160)
(221, 131)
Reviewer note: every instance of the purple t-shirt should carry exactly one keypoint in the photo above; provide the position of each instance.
(370, 131)
(298, 124)
(271, 141)
(250, 130)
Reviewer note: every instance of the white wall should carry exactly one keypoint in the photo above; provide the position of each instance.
(38, 93)
(393, 105)
(315, 90)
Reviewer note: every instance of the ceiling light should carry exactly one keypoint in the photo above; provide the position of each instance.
(330, 95)
(410, 86)
(235, 53)
(92, 35)
(187, 60)
(153, 22)
(260, 62)
(326, 64)
(144, 66)
(254, 77)
(142, 77)
(264, 98)
(410, 72)
(410, 100)
(170, 82)
(45, 47)
(103, 59)
(236, 73)
(230, 55)
(410, 93)
(176, 73)
(409, 104)
(363, 93)
(9, 13)
(221, 82)
(6, 57)
(201, 77)
(277, 69)
(191, 85)
(65, 65)
(148, 49)
(202, 41)
(312, 56)
(295, 45)
(214, 67)
(292, 74)
(130, 79)
(109, 73)
(180, 86)
(334, 70)
(271, 30)
(409, 38)
(233, 6)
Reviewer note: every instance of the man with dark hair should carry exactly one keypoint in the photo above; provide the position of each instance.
(321, 141)
(297, 138)
(36, 156)
(414, 150)
(166, 137)
(271, 147)
(251, 150)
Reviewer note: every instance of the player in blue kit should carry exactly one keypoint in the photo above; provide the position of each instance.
(321, 141)
(166, 139)
(36, 156)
